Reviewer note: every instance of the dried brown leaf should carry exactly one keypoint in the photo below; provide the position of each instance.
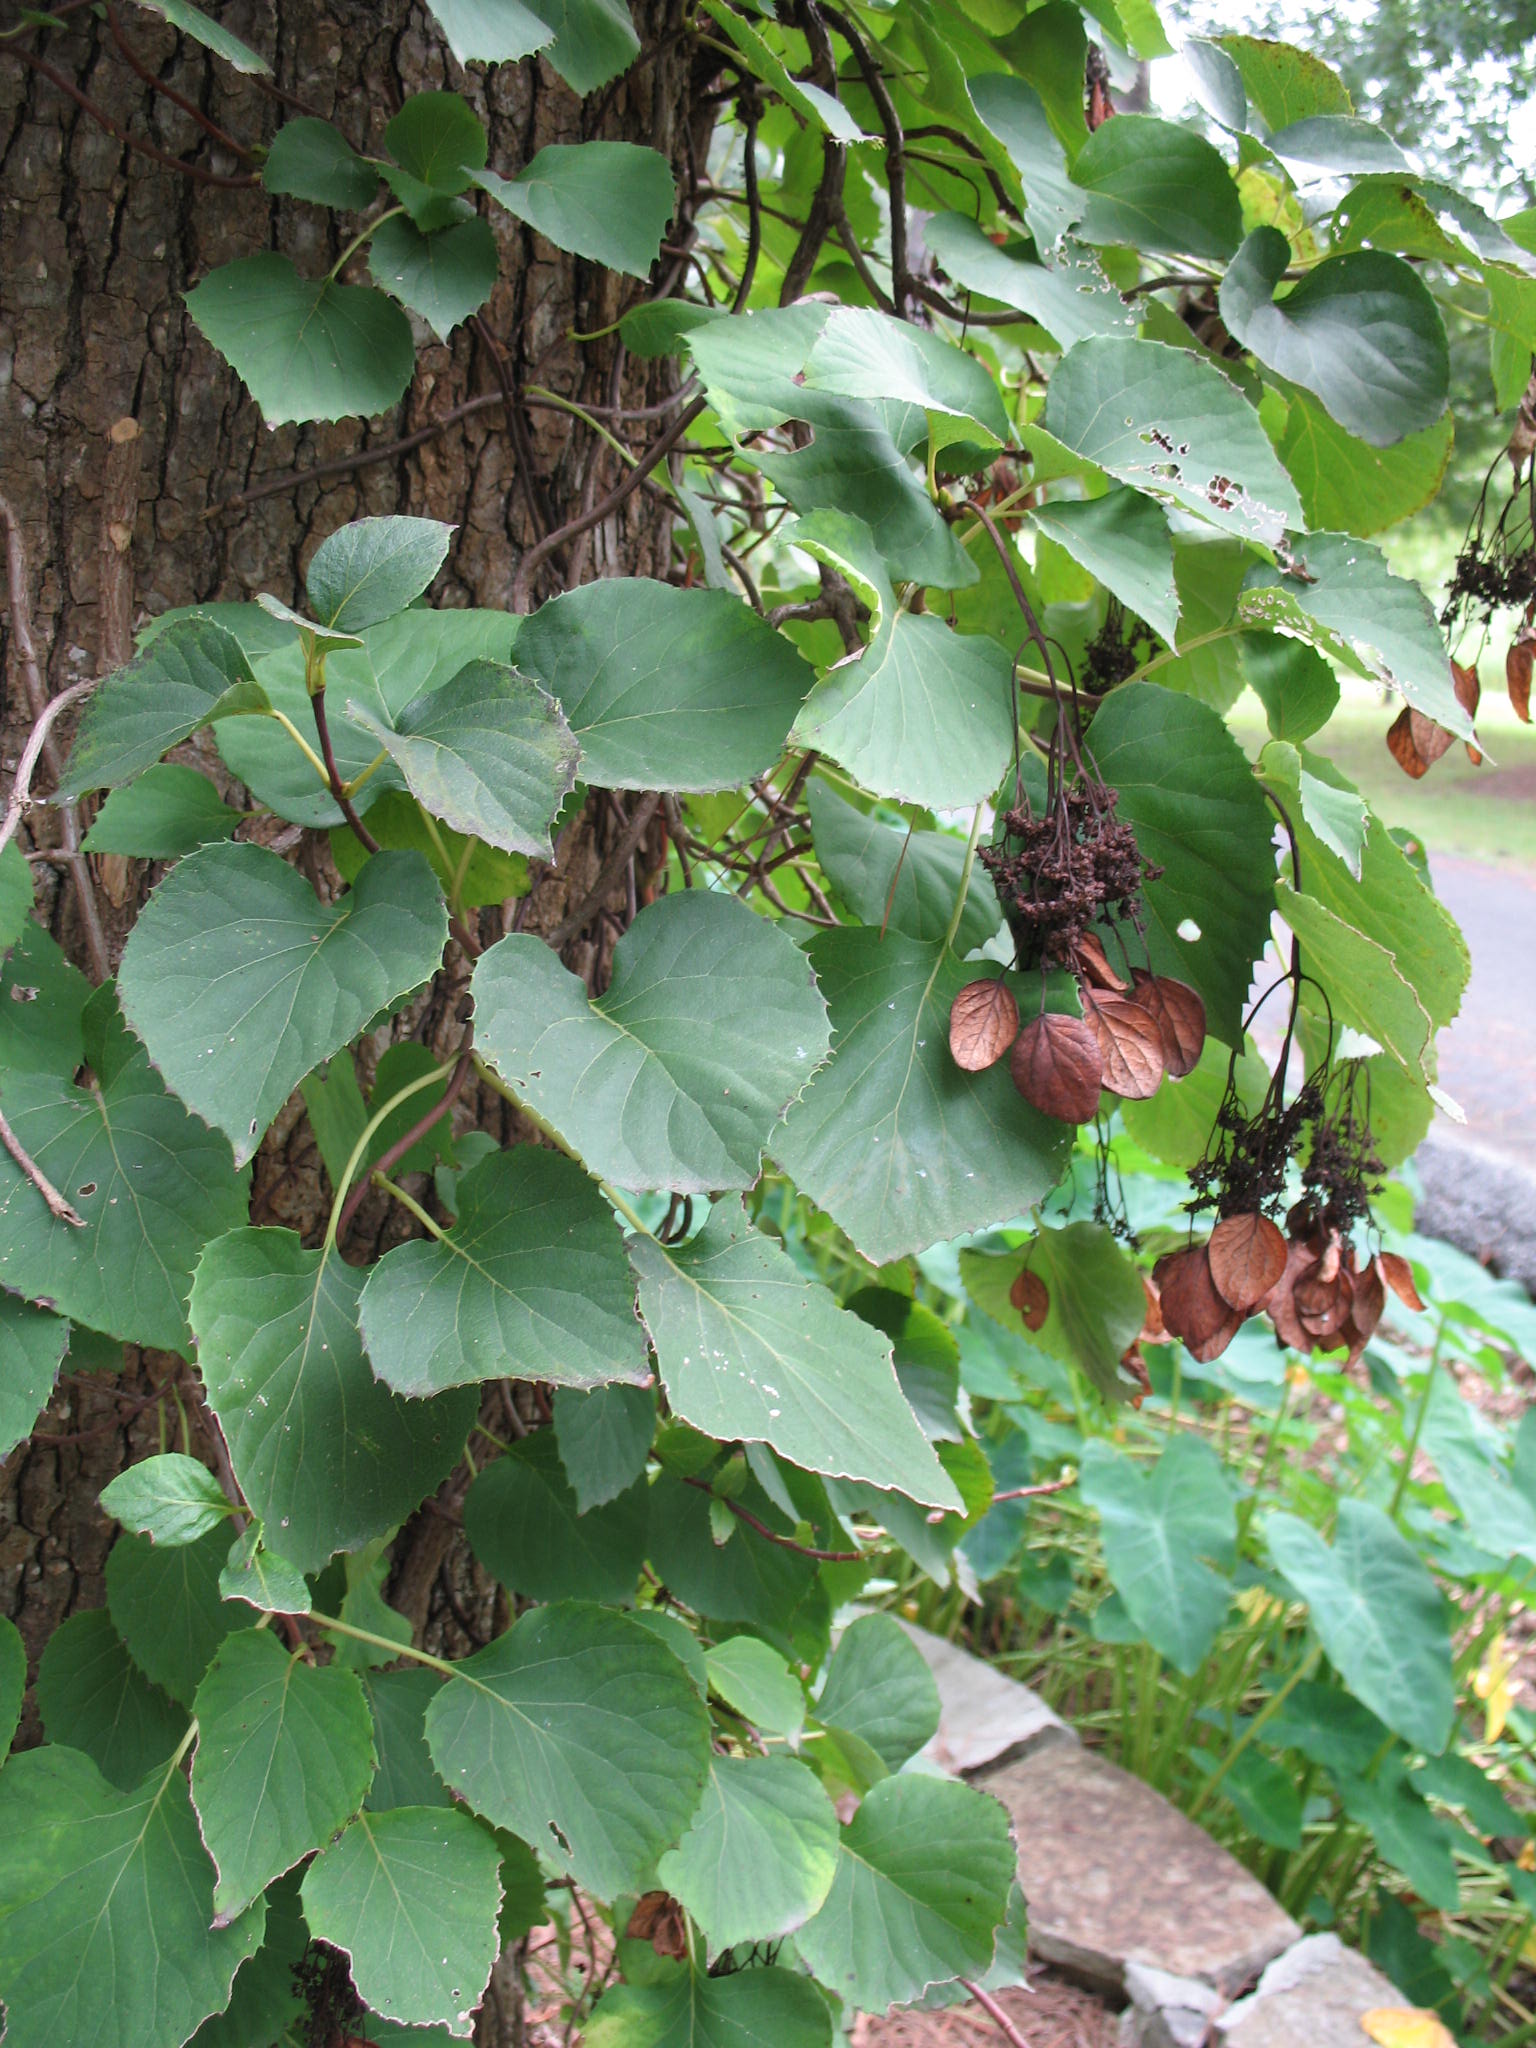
(660, 1920)
(1323, 1304)
(1517, 671)
(1416, 742)
(1280, 1303)
(1179, 1015)
(1130, 1046)
(1398, 1275)
(1031, 1297)
(1134, 1366)
(1247, 1258)
(983, 1023)
(1093, 965)
(1192, 1309)
(1057, 1067)
(1153, 1330)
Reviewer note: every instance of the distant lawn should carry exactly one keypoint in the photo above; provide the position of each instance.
(1486, 813)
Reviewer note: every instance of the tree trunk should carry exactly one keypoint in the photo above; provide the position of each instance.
(99, 242)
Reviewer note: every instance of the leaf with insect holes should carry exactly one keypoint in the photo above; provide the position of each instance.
(578, 1730)
(749, 1349)
(170, 1499)
(326, 1456)
(239, 980)
(678, 1075)
(419, 1948)
(1247, 1257)
(284, 1755)
(109, 1903)
(983, 1023)
(1057, 1065)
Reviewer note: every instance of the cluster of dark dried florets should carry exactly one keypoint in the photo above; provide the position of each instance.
(1058, 875)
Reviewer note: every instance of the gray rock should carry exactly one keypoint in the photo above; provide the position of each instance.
(983, 1716)
(1314, 1994)
(1114, 1875)
(1166, 2012)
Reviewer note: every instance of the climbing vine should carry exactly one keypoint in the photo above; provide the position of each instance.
(1006, 438)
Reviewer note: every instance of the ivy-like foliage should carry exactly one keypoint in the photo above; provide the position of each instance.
(1009, 438)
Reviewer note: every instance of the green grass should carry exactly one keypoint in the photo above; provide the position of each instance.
(1486, 814)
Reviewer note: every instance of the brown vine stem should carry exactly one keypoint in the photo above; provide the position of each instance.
(34, 1173)
(772, 1535)
(604, 509)
(31, 753)
(129, 140)
(338, 783)
(1034, 1492)
(396, 1152)
(623, 851)
(141, 70)
(995, 2014)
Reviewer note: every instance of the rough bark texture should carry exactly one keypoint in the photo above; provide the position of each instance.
(98, 244)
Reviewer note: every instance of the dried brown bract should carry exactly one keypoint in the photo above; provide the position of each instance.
(1057, 1067)
(983, 1023)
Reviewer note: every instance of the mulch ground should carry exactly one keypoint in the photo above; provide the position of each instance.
(1052, 2014)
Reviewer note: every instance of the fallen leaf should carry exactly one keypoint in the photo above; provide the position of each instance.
(1405, 2026)
(983, 1023)
(1057, 1067)
(1247, 1255)
(1031, 1297)
(1130, 1046)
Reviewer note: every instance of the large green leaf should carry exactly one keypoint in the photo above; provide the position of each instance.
(13, 1681)
(1171, 425)
(761, 1854)
(1071, 297)
(326, 1456)
(896, 878)
(167, 1607)
(1123, 540)
(1348, 486)
(750, 1350)
(1096, 1300)
(1283, 83)
(105, 1903)
(747, 1579)
(1364, 985)
(491, 31)
(32, 1347)
(370, 569)
(595, 40)
(525, 1526)
(266, 1999)
(171, 1498)
(438, 143)
(665, 688)
(604, 1434)
(170, 810)
(307, 349)
(678, 1075)
(309, 159)
(193, 22)
(487, 751)
(1349, 603)
(420, 1948)
(284, 1755)
(400, 659)
(862, 353)
(758, 1683)
(924, 714)
(1379, 1615)
(15, 894)
(531, 1282)
(1162, 1530)
(94, 1698)
(404, 1777)
(580, 1731)
(444, 276)
(892, 1139)
(818, 105)
(1187, 788)
(607, 201)
(1015, 113)
(189, 675)
(1157, 185)
(749, 2009)
(1361, 331)
(880, 1689)
(239, 980)
(921, 1888)
(152, 1183)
